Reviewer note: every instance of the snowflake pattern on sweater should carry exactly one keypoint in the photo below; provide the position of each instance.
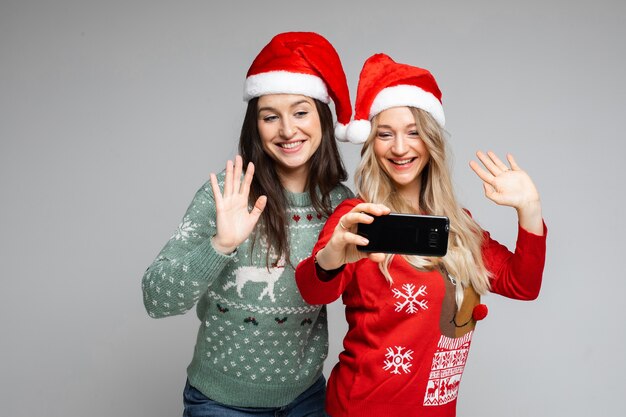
(398, 360)
(260, 344)
(411, 303)
(402, 354)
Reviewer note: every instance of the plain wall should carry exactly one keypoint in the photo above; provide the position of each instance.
(113, 113)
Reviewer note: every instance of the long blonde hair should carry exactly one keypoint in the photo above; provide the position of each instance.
(463, 260)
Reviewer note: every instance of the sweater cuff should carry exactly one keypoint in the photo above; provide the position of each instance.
(526, 237)
(326, 275)
(206, 261)
(313, 288)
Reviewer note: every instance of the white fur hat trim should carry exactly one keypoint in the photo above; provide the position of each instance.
(285, 82)
(408, 95)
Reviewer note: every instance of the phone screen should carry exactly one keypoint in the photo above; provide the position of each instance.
(409, 234)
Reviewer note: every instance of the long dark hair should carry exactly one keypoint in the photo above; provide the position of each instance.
(326, 171)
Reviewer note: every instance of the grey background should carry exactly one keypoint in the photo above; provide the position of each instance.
(113, 113)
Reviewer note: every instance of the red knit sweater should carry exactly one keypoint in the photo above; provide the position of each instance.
(396, 361)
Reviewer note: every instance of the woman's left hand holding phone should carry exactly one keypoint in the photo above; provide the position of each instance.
(234, 221)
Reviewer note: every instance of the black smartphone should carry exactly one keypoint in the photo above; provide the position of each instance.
(409, 234)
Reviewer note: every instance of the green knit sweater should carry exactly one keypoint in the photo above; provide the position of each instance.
(259, 343)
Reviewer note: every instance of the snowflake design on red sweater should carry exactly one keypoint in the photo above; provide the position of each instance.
(410, 300)
(398, 360)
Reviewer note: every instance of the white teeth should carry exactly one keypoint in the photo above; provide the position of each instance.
(402, 161)
(290, 145)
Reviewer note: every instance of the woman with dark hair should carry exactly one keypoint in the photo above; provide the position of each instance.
(323, 170)
(411, 318)
(260, 347)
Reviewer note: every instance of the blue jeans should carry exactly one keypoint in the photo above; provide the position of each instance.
(308, 404)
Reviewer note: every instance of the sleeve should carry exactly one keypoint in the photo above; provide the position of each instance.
(313, 289)
(187, 264)
(516, 275)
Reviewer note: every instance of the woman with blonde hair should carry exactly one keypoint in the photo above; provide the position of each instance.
(411, 318)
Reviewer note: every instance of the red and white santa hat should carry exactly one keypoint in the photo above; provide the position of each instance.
(301, 63)
(383, 84)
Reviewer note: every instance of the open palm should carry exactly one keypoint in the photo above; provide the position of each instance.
(503, 185)
(234, 221)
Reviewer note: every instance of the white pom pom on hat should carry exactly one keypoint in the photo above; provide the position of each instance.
(383, 84)
(301, 63)
(341, 132)
(359, 131)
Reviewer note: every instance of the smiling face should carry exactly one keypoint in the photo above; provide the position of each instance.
(290, 130)
(399, 150)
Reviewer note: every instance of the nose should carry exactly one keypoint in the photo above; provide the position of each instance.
(399, 146)
(287, 128)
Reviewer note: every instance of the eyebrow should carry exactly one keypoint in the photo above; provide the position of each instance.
(297, 103)
(389, 127)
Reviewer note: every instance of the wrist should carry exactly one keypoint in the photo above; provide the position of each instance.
(530, 218)
(530, 208)
(326, 274)
(223, 249)
(321, 260)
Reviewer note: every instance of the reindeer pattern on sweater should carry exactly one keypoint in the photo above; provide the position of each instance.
(259, 343)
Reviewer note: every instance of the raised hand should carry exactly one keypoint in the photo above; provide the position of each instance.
(341, 248)
(234, 221)
(510, 187)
